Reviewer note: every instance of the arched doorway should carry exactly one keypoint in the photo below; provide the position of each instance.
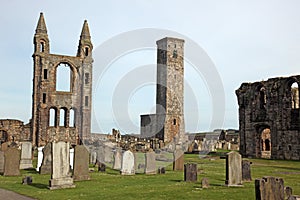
(266, 143)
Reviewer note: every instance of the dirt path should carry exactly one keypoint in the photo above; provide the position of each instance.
(9, 195)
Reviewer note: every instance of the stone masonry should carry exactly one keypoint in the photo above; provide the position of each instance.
(168, 122)
(269, 120)
(61, 115)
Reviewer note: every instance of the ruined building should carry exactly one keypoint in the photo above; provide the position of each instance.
(168, 122)
(61, 104)
(269, 122)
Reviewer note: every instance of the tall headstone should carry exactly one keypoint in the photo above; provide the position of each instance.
(108, 154)
(12, 162)
(117, 159)
(71, 158)
(60, 177)
(47, 159)
(81, 164)
(1, 162)
(233, 169)
(190, 172)
(93, 158)
(178, 160)
(269, 188)
(150, 163)
(40, 158)
(26, 155)
(246, 170)
(100, 154)
(127, 167)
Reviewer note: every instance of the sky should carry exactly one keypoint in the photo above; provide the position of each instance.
(239, 41)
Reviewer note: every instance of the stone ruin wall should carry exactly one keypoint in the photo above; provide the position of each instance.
(269, 122)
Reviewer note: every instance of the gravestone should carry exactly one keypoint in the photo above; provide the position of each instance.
(72, 158)
(81, 164)
(246, 170)
(150, 164)
(117, 159)
(127, 167)
(47, 159)
(269, 188)
(190, 172)
(178, 160)
(161, 170)
(27, 180)
(233, 169)
(100, 154)
(93, 158)
(12, 162)
(205, 183)
(288, 191)
(294, 197)
(4, 146)
(40, 158)
(108, 154)
(1, 162)
(101, 167)
(26, 155)
(60, 176)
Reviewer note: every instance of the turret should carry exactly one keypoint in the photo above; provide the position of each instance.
(40, 40)
(85, 46)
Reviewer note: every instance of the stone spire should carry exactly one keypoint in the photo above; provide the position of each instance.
(85, 33)
(41, 26)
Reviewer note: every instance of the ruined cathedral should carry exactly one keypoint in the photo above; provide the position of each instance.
(61, 114)
(269, 118)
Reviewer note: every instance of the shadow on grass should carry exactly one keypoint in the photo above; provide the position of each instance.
(31, 171)
(177, 181)
(39, 185)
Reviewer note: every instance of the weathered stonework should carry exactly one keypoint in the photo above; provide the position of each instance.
(13, 131)
(61, 115)
(168, 122)
(269, 120)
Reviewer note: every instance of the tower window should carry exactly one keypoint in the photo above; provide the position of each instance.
(72, 118)
(45, 73)
(86, 102)
(174, 121)
(52, 117)
(42, 47)
(86, 51)
(63, 77)
(295, 95)
(44, 97)
(87, 78)
(62, 117)
(175, 54)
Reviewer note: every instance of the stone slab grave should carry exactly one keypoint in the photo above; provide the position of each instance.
(4, 146)
(27, 180)
(60, 176)
(190, 172)
(40, 158)
(1, 162)
(108, 154)
(26, 155)
(246, 170)
(269, 188)
(47, 160)
(93, 157)
(178, 160)
(12, 162)
(233, 169)
(81, 163)
(100, 154)
(139, 163)
(117, 163)
(150, 162)
(205, 183)
(127, 167)
(101, 167)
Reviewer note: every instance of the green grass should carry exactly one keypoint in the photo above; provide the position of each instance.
(111, 185)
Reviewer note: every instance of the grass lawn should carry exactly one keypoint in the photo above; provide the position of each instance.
(111, 185)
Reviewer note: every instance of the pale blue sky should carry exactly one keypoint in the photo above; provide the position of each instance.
(247, 40)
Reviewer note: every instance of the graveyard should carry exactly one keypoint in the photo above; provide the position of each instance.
(171, 185)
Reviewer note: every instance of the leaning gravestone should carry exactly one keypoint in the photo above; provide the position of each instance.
(233, 169)
(246, 170)
(190, 172)
(150, 164)
(26, 155)
(178, 160)
(81, 164)
(117, 159)
(269, 188)
(12, 162)
(1, 162)
(127, 167)
(40, 158)
(47, 160)
(60, 177)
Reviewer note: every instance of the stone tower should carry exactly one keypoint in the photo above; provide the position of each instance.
(168, 122)
(62, 90)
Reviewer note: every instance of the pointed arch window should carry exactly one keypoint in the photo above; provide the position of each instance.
(52, 117)
(72, 118)
(63, 77)
(295, 95)
(42, 46)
